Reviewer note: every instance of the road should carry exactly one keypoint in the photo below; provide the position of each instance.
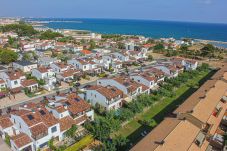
(39, 98)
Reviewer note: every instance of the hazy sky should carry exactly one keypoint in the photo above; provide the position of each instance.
(181, 10)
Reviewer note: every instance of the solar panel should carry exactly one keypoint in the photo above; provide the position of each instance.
(77, 99)
(42, 112)
(30, 117)
(67, 103)
(126, 84)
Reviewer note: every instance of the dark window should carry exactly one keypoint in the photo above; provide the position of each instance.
(30, 117)
(53, 129)
(42, 112)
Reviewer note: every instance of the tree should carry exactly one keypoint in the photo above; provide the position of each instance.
(125, 114)
(150, 57)
(120, 45)
(159, 46)
(7, 56)
(92, 45)
(71, 131)
(50, 35)
(21, 29)
(120, 141)
(207, 50)
(26, 56)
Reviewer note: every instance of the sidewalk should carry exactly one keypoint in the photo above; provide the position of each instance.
(3, 146)
(22, 98)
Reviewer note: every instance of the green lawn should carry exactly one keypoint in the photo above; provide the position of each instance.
(81, 144)
(158, 111)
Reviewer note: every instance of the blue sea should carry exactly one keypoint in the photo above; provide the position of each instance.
(148, 28)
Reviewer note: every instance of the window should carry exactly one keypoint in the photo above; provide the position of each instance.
(53, 129)
(15, 82)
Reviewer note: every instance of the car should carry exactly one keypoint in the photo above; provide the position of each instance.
(77, 84)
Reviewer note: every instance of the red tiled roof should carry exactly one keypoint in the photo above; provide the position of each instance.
(66, 123)
(86, 52)
(13, 75)
(109, 92)
(5, 122)
(29, 82)
(75, 104)
(21, 140)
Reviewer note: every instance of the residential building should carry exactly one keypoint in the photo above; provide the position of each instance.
(13, 79)
(31, 84)
(169, 70)
(125, 84)
(46, 74)
(122, 56)
(108, 97)
(86, 65)
(59, 67)
(146, 78)
(47, 61)
(25, 66)
(199, 123)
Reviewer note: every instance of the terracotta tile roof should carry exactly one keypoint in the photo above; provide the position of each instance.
(36, 114)
(29, 82)
(66, 123)
(156, 72)
(109, 92)
(61, 65)
(86, 52)
(21, 140)
(39, 129)
(43, 69)
(128, 83)
(70, 72)
(148, 77)
(75, 104)
(158, 134)
(5, 122)
(202, 104)
(60, 109)
(2, 81)
(13, 75)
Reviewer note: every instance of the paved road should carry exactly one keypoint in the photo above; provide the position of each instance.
(39, 98)
(3, 145)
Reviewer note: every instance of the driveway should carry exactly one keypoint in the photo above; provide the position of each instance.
(3, 146)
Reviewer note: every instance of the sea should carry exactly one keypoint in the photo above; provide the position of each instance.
(147, 28)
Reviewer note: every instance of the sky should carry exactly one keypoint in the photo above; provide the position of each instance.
(211, 11)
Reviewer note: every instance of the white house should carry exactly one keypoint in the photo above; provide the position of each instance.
(46, 61)
(129, 45)
(187, 63)
(71, 105)
(25, 66)
(27, 46)
(85, 64)
(108, 97)
(21, 142)
(191, 64)
(125, 84)
(12, 78)
(137, 54)
(6, 126)
(59, 67)
(122, 56)
(170, 70)
(47, 75)
(36, 122)
(31, 84)
(146, 79)
(69, 75)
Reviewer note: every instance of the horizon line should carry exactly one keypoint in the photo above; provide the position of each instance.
(142, 19)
